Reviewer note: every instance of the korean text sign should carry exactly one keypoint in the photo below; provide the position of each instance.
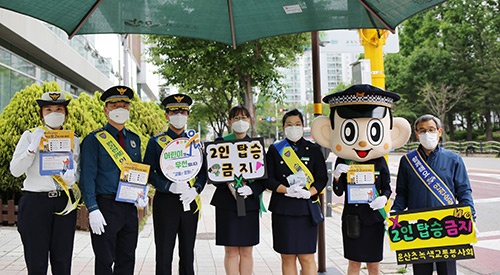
(429, 232)
(236, 158)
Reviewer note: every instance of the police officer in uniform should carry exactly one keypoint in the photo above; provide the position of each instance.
(114, 224)
(169, 218)
(45, 231)
(295, 233)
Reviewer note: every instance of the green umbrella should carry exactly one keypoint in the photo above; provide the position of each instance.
(231, 22)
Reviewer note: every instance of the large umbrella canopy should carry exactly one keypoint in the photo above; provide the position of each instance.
(228, 21)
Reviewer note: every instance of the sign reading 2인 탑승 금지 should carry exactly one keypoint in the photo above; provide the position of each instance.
(438, 234)
(230, 159)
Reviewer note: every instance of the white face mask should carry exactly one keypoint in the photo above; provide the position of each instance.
(294, 133)
(240, 126)
(119, 115)
(178, 121)
(429, 140)
(54, 120)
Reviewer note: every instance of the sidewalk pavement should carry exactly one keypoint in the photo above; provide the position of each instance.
(209, 258)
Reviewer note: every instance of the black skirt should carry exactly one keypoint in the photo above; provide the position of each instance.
(369, 247)
(231, 230)
(294, 234)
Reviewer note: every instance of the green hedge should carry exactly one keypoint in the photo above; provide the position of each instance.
(85, 115)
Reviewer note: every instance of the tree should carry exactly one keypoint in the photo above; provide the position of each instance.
(221, 76)
(441, 100)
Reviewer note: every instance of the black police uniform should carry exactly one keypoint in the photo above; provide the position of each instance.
(290, 212)
(115, 249)
(169, 218)
(369, 246)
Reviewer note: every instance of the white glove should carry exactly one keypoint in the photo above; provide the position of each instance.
(97, 222)
(340, 169)
(378, 203)
(142, 201)
(245, 190)
(293, 189)
(189, 195)
(178, 187)
(68, 177)
(304, 194)
(298, 193)
(36, 136)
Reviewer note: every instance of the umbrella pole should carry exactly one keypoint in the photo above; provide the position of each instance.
(231, 22)
(318, 112)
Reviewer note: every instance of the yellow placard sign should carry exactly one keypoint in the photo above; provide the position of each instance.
(57, 141)
(361, 174)
(446, 226)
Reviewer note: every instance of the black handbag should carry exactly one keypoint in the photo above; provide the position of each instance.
(315, 211)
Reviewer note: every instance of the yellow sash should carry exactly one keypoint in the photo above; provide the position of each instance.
(115, 151)
(165, 139)
(77, 194)
(293, 162)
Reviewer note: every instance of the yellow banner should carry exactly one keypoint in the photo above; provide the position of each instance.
(444, 226)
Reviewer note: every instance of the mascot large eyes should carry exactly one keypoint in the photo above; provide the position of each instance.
(349, 131)
(375, 131)
(361, 126)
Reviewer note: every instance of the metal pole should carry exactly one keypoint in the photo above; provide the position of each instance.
(317, 111)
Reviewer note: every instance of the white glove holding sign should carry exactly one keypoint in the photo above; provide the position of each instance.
(178, 187)
(340, 169)
(378, 203)
(68, 177)
(97, 222)
(245, 190)
(36, 136)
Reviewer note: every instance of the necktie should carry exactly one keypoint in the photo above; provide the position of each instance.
(121, 140)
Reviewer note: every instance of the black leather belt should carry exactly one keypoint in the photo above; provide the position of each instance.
(49, 194)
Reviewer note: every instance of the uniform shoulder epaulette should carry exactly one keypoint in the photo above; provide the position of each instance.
(97, 130)
(160, 134)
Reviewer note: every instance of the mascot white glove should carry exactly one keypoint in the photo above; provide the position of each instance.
(97, 222)
(141, 202)
(378, 203)
(189, 195)
(245, 190)
(36, 136)
(68, 177)
(340, 169)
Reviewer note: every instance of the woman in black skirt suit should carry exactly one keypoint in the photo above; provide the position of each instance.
(295, 233)
(238, 234)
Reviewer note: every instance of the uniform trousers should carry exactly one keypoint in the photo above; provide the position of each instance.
(115, 249)
(45, 234)
(443, 268)
(169, 222)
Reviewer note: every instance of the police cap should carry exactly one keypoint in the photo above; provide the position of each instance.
(117, 94)
(176, 102)
(52, 98)
(362, 94)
